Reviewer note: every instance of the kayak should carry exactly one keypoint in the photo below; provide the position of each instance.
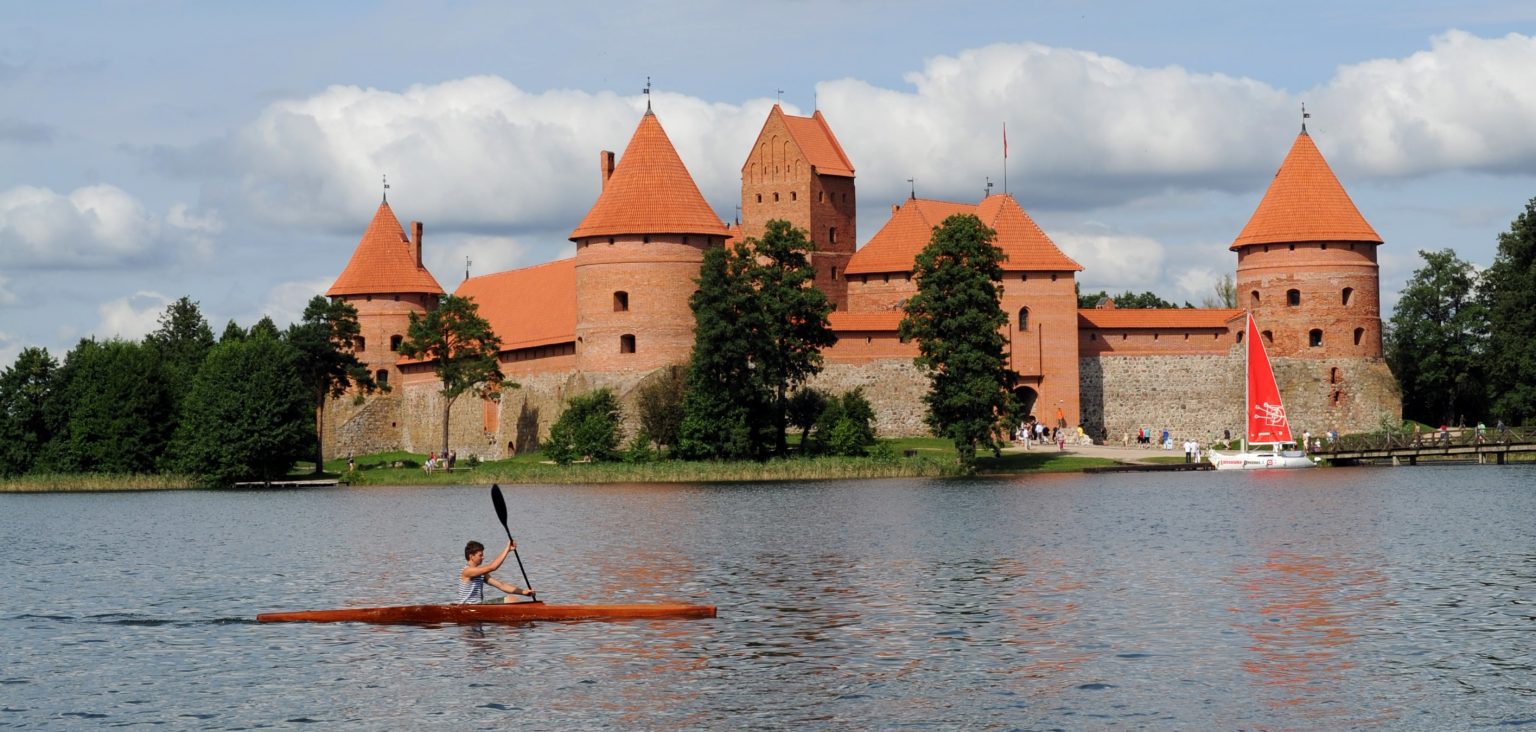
(517, 612)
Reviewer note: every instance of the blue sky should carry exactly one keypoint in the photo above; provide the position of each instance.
(232, 152)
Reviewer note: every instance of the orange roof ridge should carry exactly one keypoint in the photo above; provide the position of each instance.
(894, 248)
(532, 306)
(650, 192)
(1305, 202)
(384, 262)
(816, 141)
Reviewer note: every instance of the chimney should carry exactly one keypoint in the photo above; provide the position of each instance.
(605, 162)
(416, 241)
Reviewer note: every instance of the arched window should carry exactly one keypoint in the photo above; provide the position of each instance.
(775, 196)
(621, 302)
(1315, 338)
(832, 234)
(1293, 297)
(821, 196)
(1254, 298)
(1333, 375)
(394, 342)
(1023, 319)
(1359, 335)
(1240, 336)
(1338, 396)
(626, 343)
(362, 344)
(1269, 337)
(381, 377)
(759, 198)
(794, 196)
(1348, 293)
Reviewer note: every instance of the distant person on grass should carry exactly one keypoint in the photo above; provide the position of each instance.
(473, 577)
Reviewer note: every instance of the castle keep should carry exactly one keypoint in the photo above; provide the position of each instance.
(616, 311)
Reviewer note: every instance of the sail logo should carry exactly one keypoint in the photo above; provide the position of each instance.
(1272, 415)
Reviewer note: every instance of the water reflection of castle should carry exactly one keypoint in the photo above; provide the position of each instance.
(618, 310)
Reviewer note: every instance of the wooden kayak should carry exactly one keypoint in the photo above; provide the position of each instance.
(517, 612)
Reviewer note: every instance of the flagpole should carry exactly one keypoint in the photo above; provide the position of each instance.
(1005, 158)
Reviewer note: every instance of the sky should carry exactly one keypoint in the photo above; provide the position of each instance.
(233, 153)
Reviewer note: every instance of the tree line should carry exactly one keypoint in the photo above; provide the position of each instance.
(1462, 341)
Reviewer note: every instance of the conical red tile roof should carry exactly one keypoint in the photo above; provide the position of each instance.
(650, 192)
(895, 247)
(1305, 202)
(383, 262)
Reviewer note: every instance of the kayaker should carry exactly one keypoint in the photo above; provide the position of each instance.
(473, 577)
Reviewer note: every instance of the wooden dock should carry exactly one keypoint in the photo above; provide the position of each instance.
(317, 483)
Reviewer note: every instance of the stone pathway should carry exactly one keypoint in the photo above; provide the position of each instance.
(1131, 455)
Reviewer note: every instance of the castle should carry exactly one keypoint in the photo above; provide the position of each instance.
(617, 311)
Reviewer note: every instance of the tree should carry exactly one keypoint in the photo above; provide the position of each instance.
(183, 341)
(794, 324)
(325, 342)
(1509, 295)
(26, 394)
(1224, 295)
(847, 425)
(232, 332)
(113, 412)
(723, 400)
(1126, 300)
(660, 405)
(247, 414)
(462, 348)
(589, 427)
(805, 407)
(956, 317)
(265, 328)
(1434, 340)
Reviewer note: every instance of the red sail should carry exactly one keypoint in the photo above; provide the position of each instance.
(1266, 415)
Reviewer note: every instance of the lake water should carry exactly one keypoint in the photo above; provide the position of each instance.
(1339, 598)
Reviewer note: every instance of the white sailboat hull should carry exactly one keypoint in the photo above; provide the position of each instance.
(1260, 460)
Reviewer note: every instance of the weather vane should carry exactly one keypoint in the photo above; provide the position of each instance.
(466, 266)
(988, 192)
(1304, 116)
(780, 92)
(913, 183)
(386, 188)
(647, 93)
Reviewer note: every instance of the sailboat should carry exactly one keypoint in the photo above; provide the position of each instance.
(1267, 425)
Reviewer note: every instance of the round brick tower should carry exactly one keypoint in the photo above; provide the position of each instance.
(1306, 264)
(386, 282)
(638, 252)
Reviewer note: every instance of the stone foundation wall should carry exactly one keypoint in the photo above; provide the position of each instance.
(1200, 396)
(894, 388)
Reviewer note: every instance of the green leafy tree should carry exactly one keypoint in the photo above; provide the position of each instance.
(1434, 342)
(247, 415)
(26, 394)
(659, 403)
(805, 408)
(113, 410)
(1126, 300)
(847, 425)
(1224, 294)
(183, 341)
(325, 341)
(265, 328)
(463, 350)
(955, 318)
(589, 427)
(723, 401)
(787, 351)
(232, 332)
(1509, 294)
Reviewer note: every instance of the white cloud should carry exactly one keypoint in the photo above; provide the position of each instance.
(487, 254)
(10, 348)
(1113, 262)
(195, 230)
(1466, 102)
(286, 301)
(131, 317)
(93, 226)
(6, 296)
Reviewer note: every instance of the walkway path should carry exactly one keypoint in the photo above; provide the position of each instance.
(1118, 453)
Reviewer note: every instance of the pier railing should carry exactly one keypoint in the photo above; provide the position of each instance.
(1455, 441)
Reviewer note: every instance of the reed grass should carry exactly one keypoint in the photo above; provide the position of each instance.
(87, 482)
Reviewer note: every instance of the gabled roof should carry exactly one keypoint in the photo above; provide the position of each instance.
(1305, 202)
(817, 143)
(1156, 318)
(384, 262)
(532, 306)
(650, 192)
(895, 247)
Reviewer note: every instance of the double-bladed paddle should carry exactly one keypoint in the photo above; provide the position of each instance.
(501, 513)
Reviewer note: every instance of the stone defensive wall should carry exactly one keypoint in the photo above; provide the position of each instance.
(1201, 396)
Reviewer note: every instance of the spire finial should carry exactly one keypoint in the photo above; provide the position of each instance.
(913, 183)
(647, 93)
(988, 191)
(386, 188)
(466, 266)
(1304, 117)
(780, 92)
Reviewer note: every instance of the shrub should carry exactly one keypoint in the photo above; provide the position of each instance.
(846, 426)
(589, 427)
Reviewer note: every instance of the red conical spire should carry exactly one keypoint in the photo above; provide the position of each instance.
(650, 192)
(385, 262)
(1305, 202)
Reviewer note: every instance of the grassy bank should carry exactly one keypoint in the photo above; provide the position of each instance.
(67, 482)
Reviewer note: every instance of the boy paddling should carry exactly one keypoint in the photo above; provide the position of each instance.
(473, 577)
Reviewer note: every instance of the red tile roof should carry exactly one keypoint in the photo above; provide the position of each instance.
(895, 247)
(818, 144)
(1305, 202)
(650, 192)
(1156, 318)
(843, 321)
(383, 262)
(532, 306)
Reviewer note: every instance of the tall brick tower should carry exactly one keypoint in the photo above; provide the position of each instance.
(386, 282)
(638, 252)
(797, 172)
(1306, 264)
(1306, 268)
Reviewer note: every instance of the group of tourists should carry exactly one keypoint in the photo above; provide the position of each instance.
(439, 462)
(1034, 431)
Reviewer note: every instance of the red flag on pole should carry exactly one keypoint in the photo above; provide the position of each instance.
(1005, 139)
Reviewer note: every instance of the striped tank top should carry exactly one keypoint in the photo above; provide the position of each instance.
(472, 591)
